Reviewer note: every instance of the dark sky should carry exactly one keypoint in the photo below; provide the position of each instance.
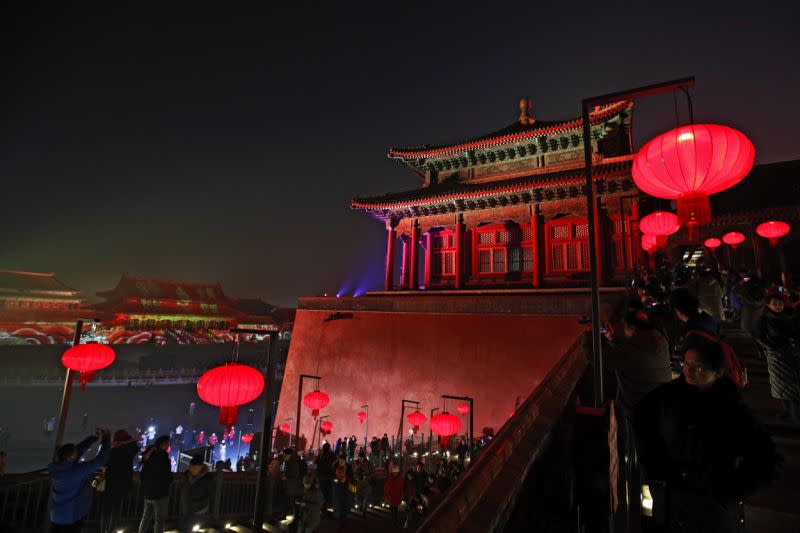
(222, 143)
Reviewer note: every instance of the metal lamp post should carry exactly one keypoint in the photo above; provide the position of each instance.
(402, 421)
(365, 407)
(300, 381)
(66, 395)
(591, 208)
(430, 431)
(318, 423)
(471, 411)
(291, 428)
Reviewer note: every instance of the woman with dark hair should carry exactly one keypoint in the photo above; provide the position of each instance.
(779, 339)
(700, 447)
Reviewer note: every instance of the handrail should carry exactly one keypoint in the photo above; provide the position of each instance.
(521, 439)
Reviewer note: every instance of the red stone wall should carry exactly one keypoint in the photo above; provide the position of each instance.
(380, 358)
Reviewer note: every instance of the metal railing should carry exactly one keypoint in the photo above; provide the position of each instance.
(25, 499)
(108, 378)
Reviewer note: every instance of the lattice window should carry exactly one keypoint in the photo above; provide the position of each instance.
(486, 237)
(448, 263)
(527, 259)
(485, 261)
(618, 227)
(527, 234)
(498, 260)
(503, 236)
(561, 232)
(557, 255)
(514, 259)
(582, 231)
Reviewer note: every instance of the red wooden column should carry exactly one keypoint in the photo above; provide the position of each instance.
(390, 256)
(601, 243)
(537, 272)
(412, 267)
(427, 260)
(458, 259)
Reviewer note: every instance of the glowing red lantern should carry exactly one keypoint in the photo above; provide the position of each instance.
(462, 408)
(247, 438)
(445, 425)
(660, 224)
(690, 163)
(712, 243)
(326, 426)
(733, 239)
(416, 419)
(773, 230)
(228, 387)
(284, 428)
(86, 358)
(361, 416)
(648, 242)
(315, 401)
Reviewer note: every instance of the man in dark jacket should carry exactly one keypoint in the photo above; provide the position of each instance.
(118, 478)
(156, 480)
(325, 473)
(687, 309)
(71, 496)
(196, 493)
(780, 340)
(292, 478)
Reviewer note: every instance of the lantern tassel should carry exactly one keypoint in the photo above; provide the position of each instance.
(227, 416)
(694, 209)
(315, 413)
(85, 377)
(773, 241)
(445, 441)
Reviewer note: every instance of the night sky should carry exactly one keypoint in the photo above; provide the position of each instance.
(224, 144)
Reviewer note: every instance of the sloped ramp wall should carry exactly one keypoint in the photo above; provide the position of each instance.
(381, 358)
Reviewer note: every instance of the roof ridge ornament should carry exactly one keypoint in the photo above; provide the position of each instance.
(525, 115)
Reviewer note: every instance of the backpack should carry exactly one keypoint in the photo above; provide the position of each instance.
(736, 370)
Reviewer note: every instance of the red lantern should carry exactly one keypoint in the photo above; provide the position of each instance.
(648, 242)
(462, 408)
(416, 419)
(247, 438)
(86, 358)
(361, 416)
(445, 425)
(773, 230)
(284, 428)
(660, 224)
(690, 163)
(712, 243)
(228, 387)
(326, 426)
(315, 401)
(733, 239)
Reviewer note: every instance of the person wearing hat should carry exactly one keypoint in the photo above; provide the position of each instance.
(196, 492)
(156, 480)
(71, 481)
(118, 478)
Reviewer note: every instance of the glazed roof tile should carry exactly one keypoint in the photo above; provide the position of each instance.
(512, 133)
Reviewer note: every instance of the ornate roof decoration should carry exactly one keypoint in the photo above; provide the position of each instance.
(456, 196)
(36, 284)
(520, 131)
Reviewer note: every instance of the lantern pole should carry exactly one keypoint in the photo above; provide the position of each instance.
(265, 446)
(471, 411)
(430, 431)
(291, 429)
(318, 431)
(66, 395)
(365, 407)
(586, 105)
(299, 403)
(402, 421)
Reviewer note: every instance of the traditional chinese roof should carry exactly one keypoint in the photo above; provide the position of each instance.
(130, 286)
(460, 196)
(517, 132)
(34, 284)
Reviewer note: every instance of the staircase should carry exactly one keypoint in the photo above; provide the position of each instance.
(774, 509)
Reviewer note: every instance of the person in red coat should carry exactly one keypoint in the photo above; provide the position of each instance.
(393, 490)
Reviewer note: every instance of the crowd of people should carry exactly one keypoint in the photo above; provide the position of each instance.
(347, 483)
(684, 426)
